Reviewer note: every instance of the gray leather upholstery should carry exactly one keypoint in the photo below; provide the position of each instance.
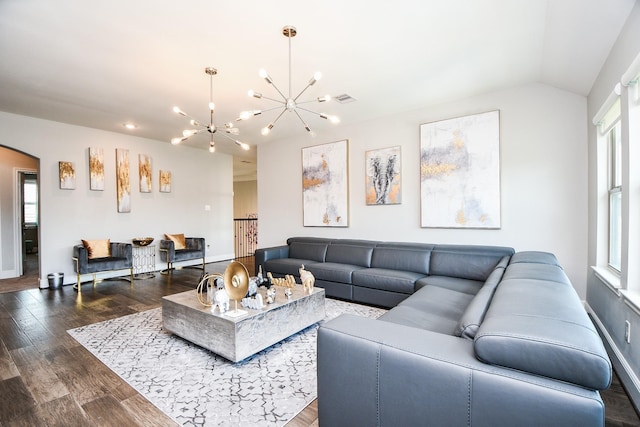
(381, 273)
(521, 351)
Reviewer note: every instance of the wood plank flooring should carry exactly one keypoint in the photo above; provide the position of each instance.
(47, 378)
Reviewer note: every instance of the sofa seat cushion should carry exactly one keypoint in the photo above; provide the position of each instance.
(431, 308)
(97, 265)
(284, 266)
(333, 272)
(466, 286)
(187, 254)
(386, 279)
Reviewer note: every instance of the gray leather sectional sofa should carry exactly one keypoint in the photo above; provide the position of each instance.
(476, 336)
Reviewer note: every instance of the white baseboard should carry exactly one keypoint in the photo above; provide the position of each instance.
(627, 376)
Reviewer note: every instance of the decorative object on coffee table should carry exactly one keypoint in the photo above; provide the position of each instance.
(307, 279)
(236, 283)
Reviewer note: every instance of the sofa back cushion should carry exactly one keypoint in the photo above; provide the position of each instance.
(406, 259)
(541, 327)
(308, 251)
(352, 253)
(466, 261)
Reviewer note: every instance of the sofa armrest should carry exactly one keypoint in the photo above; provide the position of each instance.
(265, 254)
(82, 255)
(376, 373)
(167, 250)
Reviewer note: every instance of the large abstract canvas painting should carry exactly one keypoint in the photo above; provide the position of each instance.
(383, 176)
(325, 185)
(460, 172)
(123, 181)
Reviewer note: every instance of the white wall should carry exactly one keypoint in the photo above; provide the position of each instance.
(543, 178)
(609, 307)
(67, 216)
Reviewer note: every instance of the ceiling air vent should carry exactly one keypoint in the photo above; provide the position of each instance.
(344, 98)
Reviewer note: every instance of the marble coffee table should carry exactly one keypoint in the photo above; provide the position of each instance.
(236, 338)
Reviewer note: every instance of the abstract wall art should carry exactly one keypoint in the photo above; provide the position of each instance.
(325, 185)
(96, 169)
(383, 176)
(123, 182)
(144, 173)
(67, 175)
(460, 172)
(165, 181)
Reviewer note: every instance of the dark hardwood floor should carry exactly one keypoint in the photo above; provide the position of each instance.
(47, 378)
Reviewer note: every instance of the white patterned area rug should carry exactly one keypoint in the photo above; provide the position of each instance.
(196, 387)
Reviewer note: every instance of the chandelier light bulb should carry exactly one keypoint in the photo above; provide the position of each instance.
(265, 130)
(212, 147)
(254, 94)
(325, 98)
(176, 141)
(244, 146)
(244, 115)
(188, 132)
(212, 106)
(334, 119)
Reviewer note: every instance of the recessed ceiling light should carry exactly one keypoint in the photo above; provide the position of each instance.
(130, 126)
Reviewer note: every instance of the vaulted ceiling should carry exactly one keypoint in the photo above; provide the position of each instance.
(103, 64)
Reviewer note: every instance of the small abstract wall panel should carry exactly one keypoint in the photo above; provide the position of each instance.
(123, 181)
(325, 185)
(383, 176)
(165, 181)
(460, 172)
(67, 175)
(144, 173)
(96, 169)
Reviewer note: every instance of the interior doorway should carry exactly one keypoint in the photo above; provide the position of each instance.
(19, 220)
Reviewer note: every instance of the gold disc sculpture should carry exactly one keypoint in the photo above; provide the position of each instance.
(236, 283)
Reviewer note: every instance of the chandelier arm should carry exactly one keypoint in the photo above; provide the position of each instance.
(308, 111)
(306, 126)
(278, 118)
(302, 91)
(276, 88)
(273, 99)
(307, 102)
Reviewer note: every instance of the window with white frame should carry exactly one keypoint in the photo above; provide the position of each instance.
(614, 164)
(30, 202)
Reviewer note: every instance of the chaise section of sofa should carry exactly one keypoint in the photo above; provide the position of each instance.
(522, 352)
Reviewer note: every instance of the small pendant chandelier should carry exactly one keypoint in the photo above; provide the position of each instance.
(226, 130)
(288, 103)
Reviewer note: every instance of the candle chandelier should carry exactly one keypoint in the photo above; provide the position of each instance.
(288, 103)
(197, 127)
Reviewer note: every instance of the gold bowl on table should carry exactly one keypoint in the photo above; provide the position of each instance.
(142, 241)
